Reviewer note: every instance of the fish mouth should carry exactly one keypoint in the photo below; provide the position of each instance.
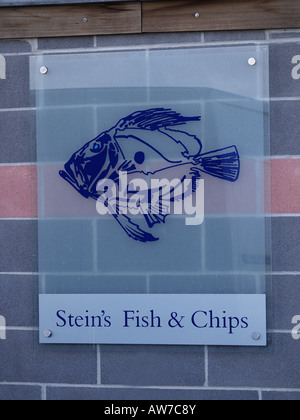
(69, 176)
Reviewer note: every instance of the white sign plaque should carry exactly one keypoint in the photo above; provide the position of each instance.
(154, 319)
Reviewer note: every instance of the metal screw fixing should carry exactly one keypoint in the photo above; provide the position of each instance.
(252, 61)
(85, 20)
(197, 15)
(43, 70)
(47, 333)
(256, 336)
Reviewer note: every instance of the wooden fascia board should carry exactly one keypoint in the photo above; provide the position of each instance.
(219, 15)
(70, 20)
(147, 17)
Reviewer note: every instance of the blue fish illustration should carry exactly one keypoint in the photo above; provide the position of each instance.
(130, 145)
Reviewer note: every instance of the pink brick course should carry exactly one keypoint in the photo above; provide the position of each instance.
(18, 192)
(18, 196)
(285, 181)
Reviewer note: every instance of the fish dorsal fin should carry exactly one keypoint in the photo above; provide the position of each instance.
(154, 119)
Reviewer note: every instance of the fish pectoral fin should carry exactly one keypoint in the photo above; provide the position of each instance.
(153, 219)
(133, 230)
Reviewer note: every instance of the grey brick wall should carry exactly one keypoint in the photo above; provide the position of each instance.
(32, 371)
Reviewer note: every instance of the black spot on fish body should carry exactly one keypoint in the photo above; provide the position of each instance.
(139, 158)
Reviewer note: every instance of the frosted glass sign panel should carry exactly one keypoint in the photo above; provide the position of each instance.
(153, 190)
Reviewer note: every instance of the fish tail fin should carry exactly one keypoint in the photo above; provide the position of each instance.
(222, 163)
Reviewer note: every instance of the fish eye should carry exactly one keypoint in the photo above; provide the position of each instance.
(139, 158)
(96, 147)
